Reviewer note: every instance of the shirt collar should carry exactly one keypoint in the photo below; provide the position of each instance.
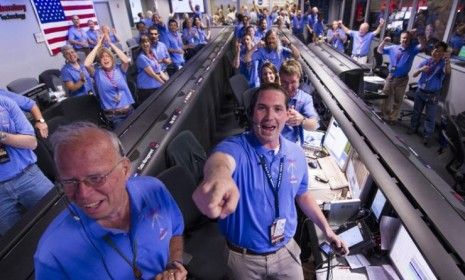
(262, 150)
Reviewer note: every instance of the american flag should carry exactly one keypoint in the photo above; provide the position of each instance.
(55, 19)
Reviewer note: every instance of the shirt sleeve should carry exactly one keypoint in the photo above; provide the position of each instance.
(23, 102)
(423, 63)
(66, 75)
(287, 53)
(142, 62)
(387, 50)
(22, 125)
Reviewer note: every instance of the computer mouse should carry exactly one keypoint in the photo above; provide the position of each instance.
(313, 164)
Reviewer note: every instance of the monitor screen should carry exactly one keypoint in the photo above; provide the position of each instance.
(337, 143)
(357, 175)
(462, 52)
(407, 259)
(378, 204)
(182, 6)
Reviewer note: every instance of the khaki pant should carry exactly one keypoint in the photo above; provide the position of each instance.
(284, 264)
(360, 59)
(395, 91)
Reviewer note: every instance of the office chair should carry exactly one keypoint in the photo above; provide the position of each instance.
(131, 43)
(22, 84)
(202, 239)
(455, 167)
(409, 100)
(184, 150)
(379, 69)
(239, 84)
(133, 89)
(51, 78)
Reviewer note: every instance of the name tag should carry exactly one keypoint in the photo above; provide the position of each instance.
(4, 157)
(277, 230)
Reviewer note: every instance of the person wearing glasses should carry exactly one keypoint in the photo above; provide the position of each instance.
(115, 226)
(22, 184)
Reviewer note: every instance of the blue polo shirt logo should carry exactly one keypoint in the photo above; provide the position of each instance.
(291, 169)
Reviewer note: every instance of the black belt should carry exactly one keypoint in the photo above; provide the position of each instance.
(118, 112)
(427, 91)
(246, 251)
(358, 55)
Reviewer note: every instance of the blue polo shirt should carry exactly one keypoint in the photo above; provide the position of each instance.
(13, 120)
(238, 30)
(175, 42)
(161, 52)
(202, 38)
(77, 35)
(249, 70)
(336, 42)
(361, 44)
(259, 33)
(432, 80)
(302, 103)
(92, 35)
(249, 225)
(22, 101)
(277, 57)
(190, 36)
(297, 25)
(318, 28)
(401, 59)
(163, 31)
(75, 249)
(144, 81)
(71, 74)
(113, 91)
(148, 22)
(311, 19)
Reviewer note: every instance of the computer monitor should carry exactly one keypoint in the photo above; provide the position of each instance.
(358, 177)
(337, 144)
(407, 259)
(378, 203)
(462, 53)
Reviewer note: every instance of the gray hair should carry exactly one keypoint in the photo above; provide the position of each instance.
(70, 133)
(65, 48)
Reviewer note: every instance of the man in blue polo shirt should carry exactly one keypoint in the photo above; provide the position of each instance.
(401, 60)
(252, 182)
(362, 40)
(114, 226)
(302, 114)
(77, 37)
(22, 184)
(159, 49)
(432, 72)
(175, 46)
(297, 22)
(28, 105)
(272, 51)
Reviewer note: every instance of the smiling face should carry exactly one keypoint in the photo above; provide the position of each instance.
(290, 83)
(269, 117)
(94, 154)
(145, 44)
(173, 26)
(271, 40)
(404, 40)
(363, 29)
(267, 75)
(106, 60)
(70, 55)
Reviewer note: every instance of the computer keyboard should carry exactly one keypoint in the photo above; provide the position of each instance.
(336, 179)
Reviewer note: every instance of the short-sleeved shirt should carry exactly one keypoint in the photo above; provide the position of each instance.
(259, 33)
(175, 42)
(249, 69)
(361, 45)
(23, 102)
(73, 245)
(318, 28)
(13, 120)
(311, 19)
(161, 52)
(302, 103)
(432, 80)
(202, 38)
(238, 30)
(336, 42)
(190, 36)
(112, 88)
(92, 35)
(401, 59)
(77, 34)
(276, 57)
(144, 81)
(249, 225)
(71, 74)
(297, 25)
(163, 31)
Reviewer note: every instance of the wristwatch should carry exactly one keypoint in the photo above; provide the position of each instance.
(41, 120)
(2, 135)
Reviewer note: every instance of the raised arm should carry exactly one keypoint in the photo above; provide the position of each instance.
(237, 55)
(122, 56)
(383, 43)
(380, 26)
(89, 61)
(217, 195)
(344, 28)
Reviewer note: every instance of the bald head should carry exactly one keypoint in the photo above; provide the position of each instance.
(364, 27)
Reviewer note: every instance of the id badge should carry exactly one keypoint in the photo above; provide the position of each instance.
(4, 157)
(117, 98)
(277, 230)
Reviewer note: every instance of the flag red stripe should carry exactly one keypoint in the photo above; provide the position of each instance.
(55, 29)
(57, 39)
(56, 51)
(81, 16)
(77, 7)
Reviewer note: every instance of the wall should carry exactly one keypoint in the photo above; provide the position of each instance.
(22, 57)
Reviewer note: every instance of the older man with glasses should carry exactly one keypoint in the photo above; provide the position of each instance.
(114, 227)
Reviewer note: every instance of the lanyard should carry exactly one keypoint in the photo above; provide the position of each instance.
(273, 187)
(110, 77)
(135, 270)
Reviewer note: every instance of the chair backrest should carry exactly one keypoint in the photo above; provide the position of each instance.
(131, 42)
(247, 97)
(181, 185)
(186, 151)
(22, 84)
(455, 139)
(239, 84)
(51, 78)
(79, 108)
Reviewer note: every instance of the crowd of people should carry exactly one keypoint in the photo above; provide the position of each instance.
(130, 227)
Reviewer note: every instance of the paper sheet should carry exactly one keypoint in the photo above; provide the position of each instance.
(357, 261)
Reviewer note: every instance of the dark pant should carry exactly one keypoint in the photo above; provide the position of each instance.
(429, 102)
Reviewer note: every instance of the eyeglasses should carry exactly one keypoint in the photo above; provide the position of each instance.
(93, 181)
